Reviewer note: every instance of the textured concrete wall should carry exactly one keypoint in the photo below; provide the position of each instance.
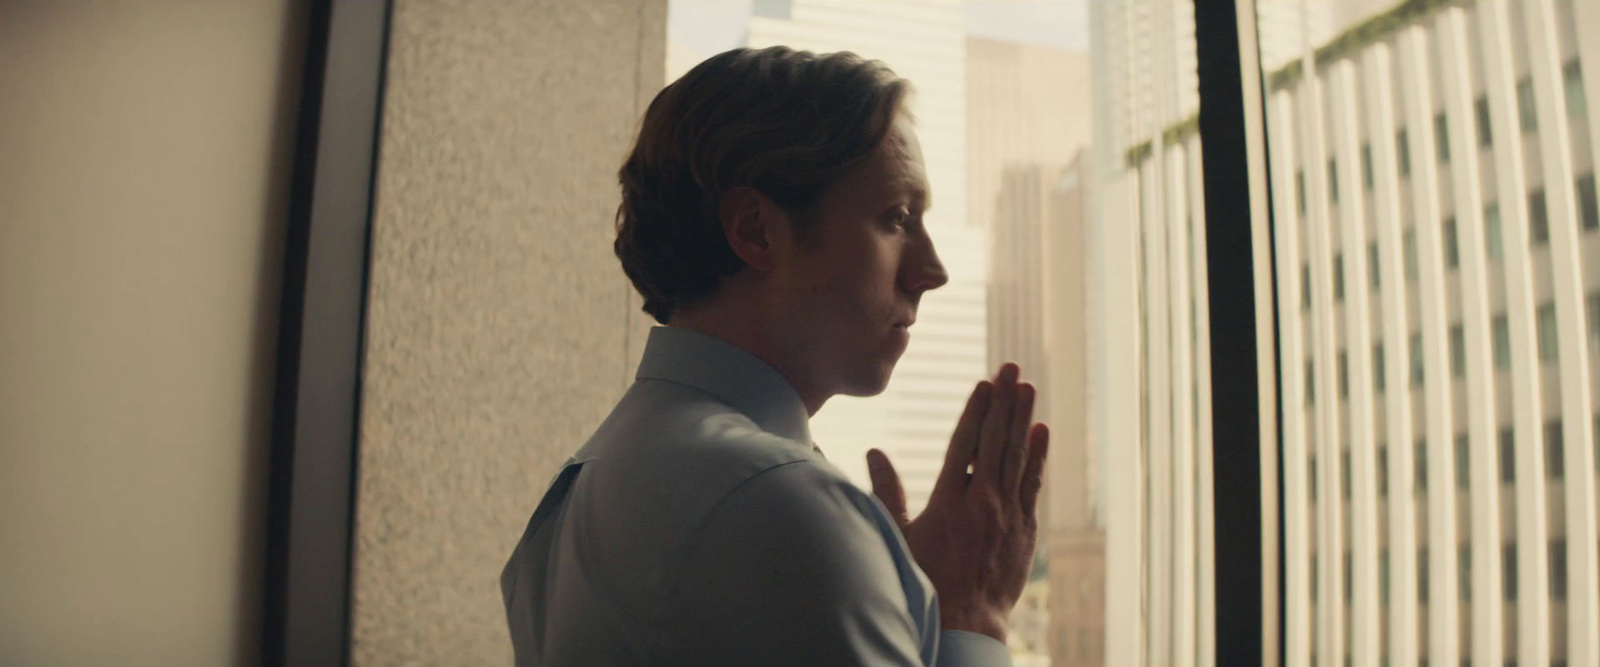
(500, 329)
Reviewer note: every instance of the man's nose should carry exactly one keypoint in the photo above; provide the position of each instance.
(927, 272)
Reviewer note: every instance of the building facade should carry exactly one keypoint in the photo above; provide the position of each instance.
(1437, 273)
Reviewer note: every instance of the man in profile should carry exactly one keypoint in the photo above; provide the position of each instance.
(771, 217)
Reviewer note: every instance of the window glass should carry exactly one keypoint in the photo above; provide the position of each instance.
(1493, 244)
(1500, 329)
(1462, 462)
(1402, 152)
(1379, 382)
(1549, 350)
(1452, 250)
(1458, 351)
(1508, 456)
(1485, 135)
(1441, 137)
(1555, 467)
(1577, 103)
(1409, 248)
(1538, 218)
(1588, 206)
(1528, 113)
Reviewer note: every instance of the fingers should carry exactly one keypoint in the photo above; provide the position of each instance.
(1016, 447)
(1033, 473)
(997, 426)
(964, 442)
(886, 486)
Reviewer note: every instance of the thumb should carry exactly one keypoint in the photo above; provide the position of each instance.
(886, 486)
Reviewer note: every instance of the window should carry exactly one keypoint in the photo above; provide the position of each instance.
(1508, 456)
(1379, 383)
(1591, 307)
(1305, 287)
(1491, 232)
(1383, 470)
(1501, 330)
(1422, 575)
(1548, 347)
(1572, 77)
(1347, 579)
(1441, 137)
(1588, 206)
(1366, 166)
(1464, 572)
(1458, 351)
(1558, 569)
(1452, 250)
(1508, 571)
(1338, 276)
(1554, 451)
(1311, 383)
(1300, 191)
(1485, 135)
(1374, 277)
(1311, 476)
(1344, 473)
(1408, 244)
(1344, 374)
(1314, 577)
(1402, 149)
(1526, 110)
(1416, 359)
(1421, 458)
(1383, 576)
(1538, 218)
(1463, 465)
(1333, 180)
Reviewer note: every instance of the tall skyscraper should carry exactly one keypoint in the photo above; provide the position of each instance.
(1437, 276)
(924, 42)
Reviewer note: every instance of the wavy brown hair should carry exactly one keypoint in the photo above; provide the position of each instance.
(786, 123)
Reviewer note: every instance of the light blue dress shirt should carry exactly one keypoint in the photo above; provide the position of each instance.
(700, 526)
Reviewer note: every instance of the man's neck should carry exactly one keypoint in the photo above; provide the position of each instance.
(747, 334)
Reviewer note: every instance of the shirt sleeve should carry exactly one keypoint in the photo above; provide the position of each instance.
(959, 648)
(788, 570)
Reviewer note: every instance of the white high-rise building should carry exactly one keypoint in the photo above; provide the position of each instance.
(925, 42)
(1437, 249)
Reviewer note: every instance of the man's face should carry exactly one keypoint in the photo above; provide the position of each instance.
(848, 293)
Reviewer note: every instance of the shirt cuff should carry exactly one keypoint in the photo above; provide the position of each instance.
(959, 648)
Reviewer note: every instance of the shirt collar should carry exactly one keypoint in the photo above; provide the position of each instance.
(731, 375)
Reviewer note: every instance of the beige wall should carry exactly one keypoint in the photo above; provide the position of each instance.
(501, 329)
(144, 163)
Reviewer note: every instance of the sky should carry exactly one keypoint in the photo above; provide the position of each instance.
(707, 27)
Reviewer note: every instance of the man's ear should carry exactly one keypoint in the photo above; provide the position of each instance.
(750, 222)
